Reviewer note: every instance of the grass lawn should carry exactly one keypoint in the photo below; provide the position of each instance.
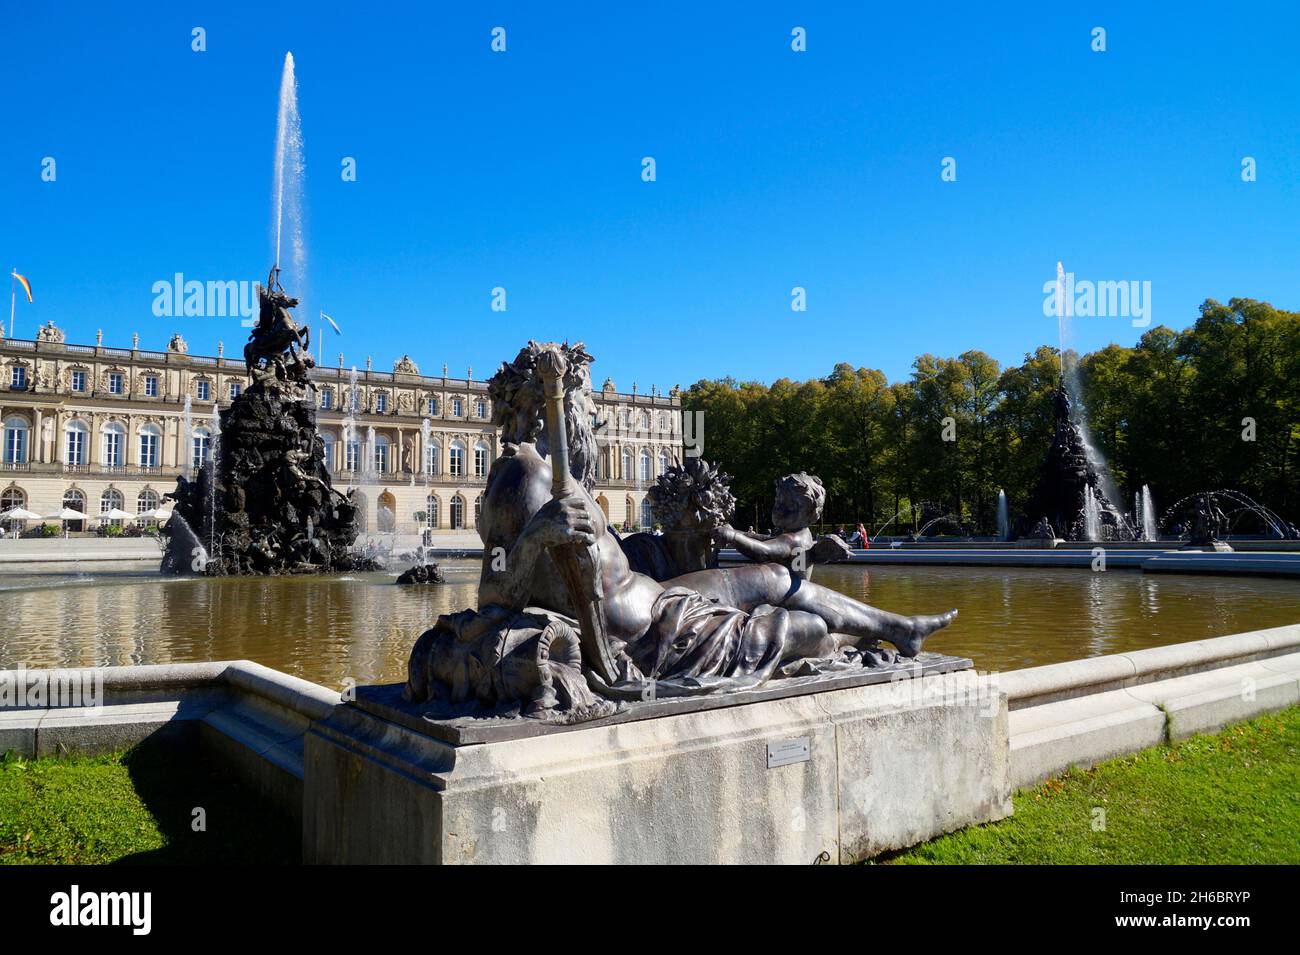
(135, 807)
(1233, 797)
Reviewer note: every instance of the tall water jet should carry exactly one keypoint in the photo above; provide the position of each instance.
(1150, 530)
(1004, 526)
(1091, 515)
(215, 428)
(287, 191)
(187, 439)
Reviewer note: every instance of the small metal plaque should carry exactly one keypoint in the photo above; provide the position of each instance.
(788, 751)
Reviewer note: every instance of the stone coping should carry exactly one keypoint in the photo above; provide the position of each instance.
(386, 702)
(1058, 681)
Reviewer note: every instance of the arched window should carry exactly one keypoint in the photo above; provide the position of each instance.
(432, 508)
(457, 513)
(381, 453)
(478, 510)
(16, 433)
(200, 447)
(629, 511)
(111, 500)
(433, 458)
(626, 472)
(353, 455)
(645, 421)
(645, 464)
(150, 446)
(146, 500)
(10, 498)
(76, 442)
(113, 451)
(480, 459)
(457, 460)
(74, 499)
(647, 519)
(663, 461)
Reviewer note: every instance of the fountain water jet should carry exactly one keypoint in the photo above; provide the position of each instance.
(1004, 527)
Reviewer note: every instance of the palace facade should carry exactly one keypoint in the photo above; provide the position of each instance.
(98, 428)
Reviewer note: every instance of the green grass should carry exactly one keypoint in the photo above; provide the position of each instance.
(1231, 797)
(135, 807)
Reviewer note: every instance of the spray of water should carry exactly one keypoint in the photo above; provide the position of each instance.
(288, 185)
(1004, 523)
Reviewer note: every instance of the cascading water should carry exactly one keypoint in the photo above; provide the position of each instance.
(1004, 525)
(288, 187)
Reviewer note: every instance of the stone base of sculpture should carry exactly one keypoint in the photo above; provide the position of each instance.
(831, 771)
(272, 508)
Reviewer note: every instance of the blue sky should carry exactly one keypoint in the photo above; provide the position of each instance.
(775, 169)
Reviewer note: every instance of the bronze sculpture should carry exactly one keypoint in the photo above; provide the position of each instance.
(565, 626)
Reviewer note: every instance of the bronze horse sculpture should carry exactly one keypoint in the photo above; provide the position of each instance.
(276, 333)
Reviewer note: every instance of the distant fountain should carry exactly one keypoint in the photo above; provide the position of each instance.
(211, 489)
(1150, 530)
(1091, 515)
(1074, 472)
(368, 465)
(1004, 527)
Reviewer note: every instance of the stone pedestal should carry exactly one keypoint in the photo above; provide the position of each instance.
(1038, 543)
(836, 775)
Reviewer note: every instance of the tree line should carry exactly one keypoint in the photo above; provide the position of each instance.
(1216, 405)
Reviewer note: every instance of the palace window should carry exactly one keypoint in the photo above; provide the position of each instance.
(431, 505)
(18, 378)
(480, 459)
(204, 389)
(78, 381)
(200, 446)
(326, 399)
(663, 462)
(111, 500)
(457, 408)
(114, 444)
(457, 459)
(433, 407)
(381, 454)
(647, 519)
(10, 498)
(645, 465)
(352, 455)
(150, 439)
(458, 513)
(626, 472)
(146, 500)
(75, 500)
(235, 389)
(75, 443)
(151, 386)
(381, 402)
(115, 382)
(15, 450)
(432, 458)
(480, 408)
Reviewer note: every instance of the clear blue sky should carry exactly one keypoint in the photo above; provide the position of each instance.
(775, 169)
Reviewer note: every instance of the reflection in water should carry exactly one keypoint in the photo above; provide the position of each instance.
(333, 629)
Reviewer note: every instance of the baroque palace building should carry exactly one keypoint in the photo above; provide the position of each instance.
(96, 428)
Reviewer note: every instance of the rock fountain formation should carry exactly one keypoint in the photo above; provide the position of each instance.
(268, 506)
(1069, 494)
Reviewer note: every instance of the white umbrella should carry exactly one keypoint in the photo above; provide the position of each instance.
(66, 514)
(156, 513)
(117, 514)
(19, 514)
